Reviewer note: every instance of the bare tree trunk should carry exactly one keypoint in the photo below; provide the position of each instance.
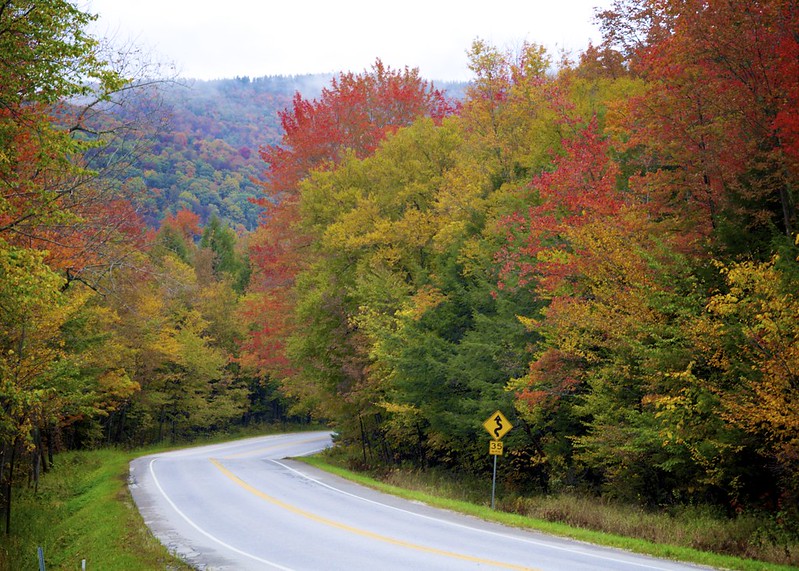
(37, 457)
(3, 462)
(9, 483)
(161, 420)
(363, 439)
(420, 448)
(121, 425)
(787, 208)
(51, 435)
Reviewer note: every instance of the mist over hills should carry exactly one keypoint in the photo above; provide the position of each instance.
(205, 157)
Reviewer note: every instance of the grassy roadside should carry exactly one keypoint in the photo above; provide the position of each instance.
(433, 495)
(83, 511)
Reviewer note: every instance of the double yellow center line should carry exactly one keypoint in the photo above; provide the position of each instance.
(362, 532)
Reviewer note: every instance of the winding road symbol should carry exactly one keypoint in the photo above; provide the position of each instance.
(497, 425)
(498, 429)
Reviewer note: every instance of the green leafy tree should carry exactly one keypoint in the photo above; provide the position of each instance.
(39, 384)
(222, 241)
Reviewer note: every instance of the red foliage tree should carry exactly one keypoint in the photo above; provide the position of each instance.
(355, 113)
(719, 120)
(186, 222)
(786, 122)
(51, 202)
(580, 189)
(555, 243)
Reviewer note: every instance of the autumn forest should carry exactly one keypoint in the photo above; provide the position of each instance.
(602, 245)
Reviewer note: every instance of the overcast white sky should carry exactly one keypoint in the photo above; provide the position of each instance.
(212, 39)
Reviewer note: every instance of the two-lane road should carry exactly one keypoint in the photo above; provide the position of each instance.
(241, 506)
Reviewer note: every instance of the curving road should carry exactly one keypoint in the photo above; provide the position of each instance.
(242, 506)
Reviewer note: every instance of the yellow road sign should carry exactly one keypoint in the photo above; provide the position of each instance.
(497, 425)
(495, 447)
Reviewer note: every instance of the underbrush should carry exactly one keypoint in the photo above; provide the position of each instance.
(749, 536)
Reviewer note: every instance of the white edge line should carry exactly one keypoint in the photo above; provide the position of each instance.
(205, 533)
(471, 528)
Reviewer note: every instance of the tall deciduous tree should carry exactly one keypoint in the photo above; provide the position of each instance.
(66, 136)
(619, 386)
(353, 115)
(714, 125)
(399, 301)
(749, 343)
(45, 381)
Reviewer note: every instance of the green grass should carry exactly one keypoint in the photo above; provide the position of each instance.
(659, 535)
(83, 510)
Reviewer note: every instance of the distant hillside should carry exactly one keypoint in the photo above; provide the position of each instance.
(206, 157)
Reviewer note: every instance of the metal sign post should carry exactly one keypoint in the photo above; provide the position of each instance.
(494, 482)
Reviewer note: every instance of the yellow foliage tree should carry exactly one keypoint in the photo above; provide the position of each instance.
(751, 335)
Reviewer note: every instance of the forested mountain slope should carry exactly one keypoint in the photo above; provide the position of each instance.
(205, 157)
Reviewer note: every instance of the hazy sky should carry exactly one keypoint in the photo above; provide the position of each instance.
(208, 39)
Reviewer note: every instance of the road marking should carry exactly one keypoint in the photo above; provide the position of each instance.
(205, 533)
(471, 528)
(274, 447)
(362, 532)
